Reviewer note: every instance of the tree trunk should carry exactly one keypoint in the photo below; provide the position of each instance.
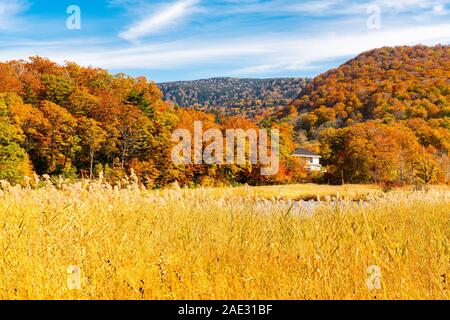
(91, 152)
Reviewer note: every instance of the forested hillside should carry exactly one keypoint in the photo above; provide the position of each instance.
(72, 121)
(383, 117)
(232, 96)
(377, 110)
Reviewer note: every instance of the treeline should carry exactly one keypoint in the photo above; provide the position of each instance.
(383, 117)
(252, 98)
(380, 116)
(376, 152)
(72, 121)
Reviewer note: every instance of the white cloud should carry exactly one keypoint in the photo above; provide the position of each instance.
(334, 7)
(245, 53)
(301, 54)
(9, 9)
(164, 18)
(243, 56)
(439, 10)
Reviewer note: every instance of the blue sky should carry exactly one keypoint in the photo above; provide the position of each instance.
(191, 39)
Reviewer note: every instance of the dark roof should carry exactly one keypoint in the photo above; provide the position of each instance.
(304, 152)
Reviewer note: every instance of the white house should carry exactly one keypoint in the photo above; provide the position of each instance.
(312, 160)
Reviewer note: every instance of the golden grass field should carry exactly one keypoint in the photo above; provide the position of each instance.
(225, 243)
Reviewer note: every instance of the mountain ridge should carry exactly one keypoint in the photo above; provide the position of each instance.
(231, 96)
(387, 84)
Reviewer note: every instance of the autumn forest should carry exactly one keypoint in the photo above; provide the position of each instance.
(382, 117)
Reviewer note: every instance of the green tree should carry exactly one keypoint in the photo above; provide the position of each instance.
(14, 163)
(62, 142)
(92, 137)
(138, 99)
(57, 89)
(426, 167)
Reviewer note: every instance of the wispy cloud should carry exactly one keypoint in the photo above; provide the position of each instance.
(182, 39)
(301, 54)
(335, 7)
(246, 56)
(165, 17)
(9, 9)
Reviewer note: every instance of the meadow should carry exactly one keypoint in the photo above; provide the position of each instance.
(274, 242)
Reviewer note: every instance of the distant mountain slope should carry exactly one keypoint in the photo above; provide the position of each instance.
(390, 84)
(234, 96)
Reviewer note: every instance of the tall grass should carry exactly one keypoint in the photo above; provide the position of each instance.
(131, 243)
